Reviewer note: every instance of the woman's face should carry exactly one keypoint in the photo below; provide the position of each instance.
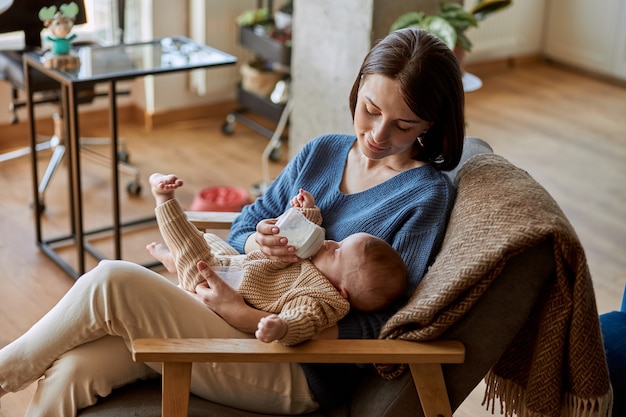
(383, 123)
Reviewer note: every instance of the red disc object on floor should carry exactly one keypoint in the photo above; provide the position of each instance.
(220, 198)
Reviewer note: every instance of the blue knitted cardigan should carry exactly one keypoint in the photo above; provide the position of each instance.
(409, 211)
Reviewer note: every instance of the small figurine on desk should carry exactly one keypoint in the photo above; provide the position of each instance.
(60, 24)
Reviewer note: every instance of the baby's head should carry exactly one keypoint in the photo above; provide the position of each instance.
(365, 269)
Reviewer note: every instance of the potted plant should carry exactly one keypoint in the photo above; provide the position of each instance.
(451, 22)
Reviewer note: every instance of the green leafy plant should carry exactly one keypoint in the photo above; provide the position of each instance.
(451, 22)
(253, 17)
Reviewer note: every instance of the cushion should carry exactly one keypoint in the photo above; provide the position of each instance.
(613, 327)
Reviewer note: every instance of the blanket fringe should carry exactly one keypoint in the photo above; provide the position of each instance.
(588, 407)
(512, 401)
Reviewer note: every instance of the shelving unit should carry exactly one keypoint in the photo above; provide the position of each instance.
(271, 50)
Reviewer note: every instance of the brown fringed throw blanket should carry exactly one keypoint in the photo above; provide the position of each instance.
(555, 365)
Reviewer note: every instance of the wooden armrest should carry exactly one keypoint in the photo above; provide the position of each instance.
(211, 219)
(313, 351)
(424, 359)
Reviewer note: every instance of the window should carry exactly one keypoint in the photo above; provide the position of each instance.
(101, 24)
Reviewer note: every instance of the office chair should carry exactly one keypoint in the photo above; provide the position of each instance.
(23, 16)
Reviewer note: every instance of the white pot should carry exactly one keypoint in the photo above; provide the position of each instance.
(282, 20)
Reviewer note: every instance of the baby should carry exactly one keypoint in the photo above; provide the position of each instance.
(304, 298)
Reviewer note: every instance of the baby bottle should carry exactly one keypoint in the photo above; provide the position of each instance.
(231, 274)
(301, 233)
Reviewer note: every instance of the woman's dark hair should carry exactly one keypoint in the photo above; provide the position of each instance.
(430, 79)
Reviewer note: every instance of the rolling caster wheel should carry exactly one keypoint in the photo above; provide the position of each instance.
(123, 156)
(41, 203)
(275, 155)
(228, 128)
(134, 188)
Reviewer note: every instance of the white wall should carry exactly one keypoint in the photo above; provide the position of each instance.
(172, 91)
(588, 35)
(514, 31)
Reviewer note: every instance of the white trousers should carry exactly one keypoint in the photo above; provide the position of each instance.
(81, 347)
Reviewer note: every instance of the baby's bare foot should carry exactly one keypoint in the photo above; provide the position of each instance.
(162, 254)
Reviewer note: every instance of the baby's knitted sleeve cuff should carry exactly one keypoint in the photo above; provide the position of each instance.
(313, 214)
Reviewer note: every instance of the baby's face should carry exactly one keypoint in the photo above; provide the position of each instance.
(336, 259)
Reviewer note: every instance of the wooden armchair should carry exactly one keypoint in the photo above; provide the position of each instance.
(177, 355)
(443, 372)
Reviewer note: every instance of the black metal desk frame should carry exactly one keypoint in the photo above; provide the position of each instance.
(175, 54)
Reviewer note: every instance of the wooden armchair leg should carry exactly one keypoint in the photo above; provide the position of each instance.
(178, 354)
(431, 389)
(176, 382)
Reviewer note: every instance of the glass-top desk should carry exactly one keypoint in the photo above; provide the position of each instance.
(104, 65)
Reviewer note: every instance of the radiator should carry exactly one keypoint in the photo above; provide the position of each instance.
(512, 31)
(496, 32)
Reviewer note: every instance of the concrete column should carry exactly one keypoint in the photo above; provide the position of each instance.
(330, 39)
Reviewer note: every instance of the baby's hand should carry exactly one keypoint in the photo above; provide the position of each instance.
(304, 199)
(271, 328)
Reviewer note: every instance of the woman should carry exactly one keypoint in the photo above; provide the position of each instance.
(407, 103)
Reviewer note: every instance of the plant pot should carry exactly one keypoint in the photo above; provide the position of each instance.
(460, 55)
(282, 20)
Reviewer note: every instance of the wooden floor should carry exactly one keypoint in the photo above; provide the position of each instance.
(566, 129)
